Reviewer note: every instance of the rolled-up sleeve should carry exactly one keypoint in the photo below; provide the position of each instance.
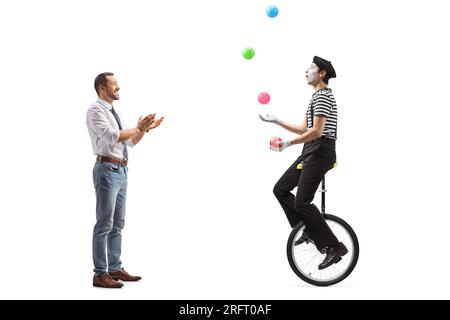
(101, 126)
(129, 143)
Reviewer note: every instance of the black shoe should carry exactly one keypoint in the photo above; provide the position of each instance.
(334, 255)
(303, 238)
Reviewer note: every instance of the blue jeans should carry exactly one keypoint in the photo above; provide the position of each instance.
(110, 182)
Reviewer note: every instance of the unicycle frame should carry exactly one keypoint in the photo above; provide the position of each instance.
(322, 190)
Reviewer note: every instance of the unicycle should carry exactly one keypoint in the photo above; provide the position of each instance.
(304, 258)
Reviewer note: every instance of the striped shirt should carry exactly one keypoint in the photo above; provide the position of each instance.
(323, 104)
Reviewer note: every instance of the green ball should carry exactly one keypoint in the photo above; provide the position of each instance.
(248, 53)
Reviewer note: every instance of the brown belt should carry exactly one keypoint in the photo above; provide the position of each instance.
(113, 160)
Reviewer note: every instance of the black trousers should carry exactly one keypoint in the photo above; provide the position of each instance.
(318, 156)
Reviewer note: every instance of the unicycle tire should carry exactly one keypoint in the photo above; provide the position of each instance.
(305, 258)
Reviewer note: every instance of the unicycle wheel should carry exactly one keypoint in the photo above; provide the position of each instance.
(304, 258)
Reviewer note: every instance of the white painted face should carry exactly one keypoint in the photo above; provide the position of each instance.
(312, 74)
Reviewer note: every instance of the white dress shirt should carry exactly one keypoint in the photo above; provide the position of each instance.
(104, 130)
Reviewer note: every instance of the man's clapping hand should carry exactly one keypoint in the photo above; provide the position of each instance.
(144, 123)
(155, 123)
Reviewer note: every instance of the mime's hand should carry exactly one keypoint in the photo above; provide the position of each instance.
(269, 118)
(281, 145)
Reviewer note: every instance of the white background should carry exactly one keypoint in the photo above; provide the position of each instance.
(202, 222)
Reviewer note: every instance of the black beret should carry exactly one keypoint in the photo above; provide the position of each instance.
(325, 65)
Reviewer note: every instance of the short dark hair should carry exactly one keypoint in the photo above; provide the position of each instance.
(327, 77)
(101, 80)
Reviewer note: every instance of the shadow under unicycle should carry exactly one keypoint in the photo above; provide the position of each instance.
(304, 258)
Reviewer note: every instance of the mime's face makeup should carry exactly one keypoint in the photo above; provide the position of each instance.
(312, 74)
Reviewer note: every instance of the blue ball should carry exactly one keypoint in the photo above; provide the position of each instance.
(272, 11)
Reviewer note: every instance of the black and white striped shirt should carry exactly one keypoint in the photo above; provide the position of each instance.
(324, 104)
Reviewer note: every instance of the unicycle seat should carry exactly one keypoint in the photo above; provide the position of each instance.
(300, 165)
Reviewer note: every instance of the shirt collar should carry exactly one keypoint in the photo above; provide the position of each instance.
(104, 104)
(320, 90)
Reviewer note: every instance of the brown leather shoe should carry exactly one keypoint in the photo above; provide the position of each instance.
(105, 281)
(124, 276)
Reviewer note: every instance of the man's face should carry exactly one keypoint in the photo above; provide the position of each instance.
(312, 74)
(112, 88)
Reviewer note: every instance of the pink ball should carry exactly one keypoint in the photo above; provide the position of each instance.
(263, 98)
(273, 144)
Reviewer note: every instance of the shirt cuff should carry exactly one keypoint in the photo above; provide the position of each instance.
(129, 143)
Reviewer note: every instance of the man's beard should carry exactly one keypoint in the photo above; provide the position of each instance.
(112, 96)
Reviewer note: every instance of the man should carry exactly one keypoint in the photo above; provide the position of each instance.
(110, 142)
(318, 133)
